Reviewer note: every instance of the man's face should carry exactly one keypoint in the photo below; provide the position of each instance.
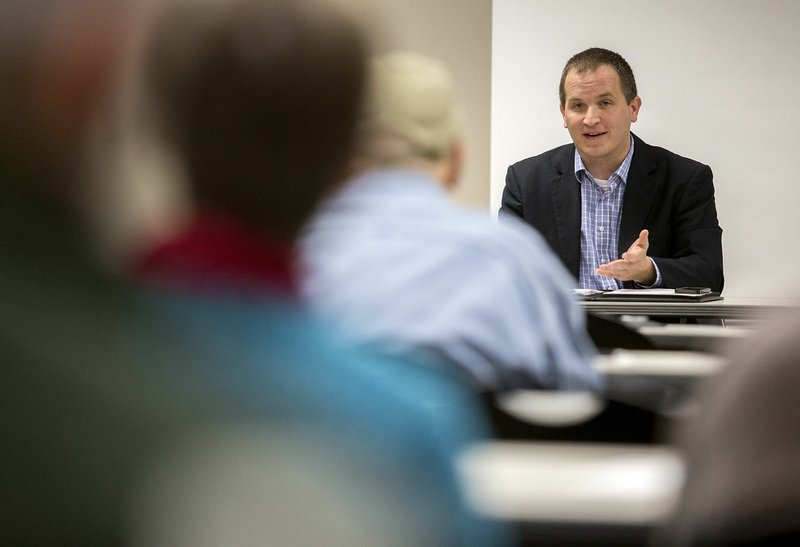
(598, 117)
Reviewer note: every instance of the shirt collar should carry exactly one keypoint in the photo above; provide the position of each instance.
(621, 173)
(217, 252)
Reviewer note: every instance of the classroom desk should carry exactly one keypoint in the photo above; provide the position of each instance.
(708, 338)
(653, 379)
(659, 364)
(626, 373)
(573, 493)
(644, 391)
(661, 381)
(733, 307)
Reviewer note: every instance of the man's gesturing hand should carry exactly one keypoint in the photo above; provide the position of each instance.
(634, 264)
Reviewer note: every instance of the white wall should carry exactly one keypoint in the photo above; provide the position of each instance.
(720, 83)
(459, 33)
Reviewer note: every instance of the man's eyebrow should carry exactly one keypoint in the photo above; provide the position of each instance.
(604, 96)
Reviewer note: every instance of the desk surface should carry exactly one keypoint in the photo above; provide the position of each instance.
(629, 374)
(709, 338)
(662, 381)
(728, 308)
(623, 362)
(572, 482)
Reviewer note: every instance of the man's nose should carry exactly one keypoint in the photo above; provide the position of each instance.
(591, 117)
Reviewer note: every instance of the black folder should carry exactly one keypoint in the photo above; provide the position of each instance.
(647, 295)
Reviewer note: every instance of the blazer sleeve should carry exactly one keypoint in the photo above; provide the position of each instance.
(696, 243)
(511, 203)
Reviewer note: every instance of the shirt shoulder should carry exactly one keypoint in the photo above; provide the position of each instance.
(553, 157)
(507, 248)
(645, 154)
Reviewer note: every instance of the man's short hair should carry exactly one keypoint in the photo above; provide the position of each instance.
(260, 98)
(593, 58)
(411, 112)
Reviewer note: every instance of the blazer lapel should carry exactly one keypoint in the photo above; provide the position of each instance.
(640, 191)
(566, 194)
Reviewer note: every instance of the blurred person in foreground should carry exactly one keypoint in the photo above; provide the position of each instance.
(123, 423)
(402, 268)
(742, 484)
(81, 412)
(259, 100)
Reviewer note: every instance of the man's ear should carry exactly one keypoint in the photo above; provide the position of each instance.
(635, 105)
(452, 165)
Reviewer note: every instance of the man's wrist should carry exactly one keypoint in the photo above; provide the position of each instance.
(653, 278)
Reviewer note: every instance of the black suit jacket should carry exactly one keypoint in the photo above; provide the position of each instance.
(671, 196)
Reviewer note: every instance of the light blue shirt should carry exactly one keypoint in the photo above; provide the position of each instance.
(397, 264)
(600, 220)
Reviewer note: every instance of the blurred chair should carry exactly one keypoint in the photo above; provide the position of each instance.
(569, 416)
(609, 334)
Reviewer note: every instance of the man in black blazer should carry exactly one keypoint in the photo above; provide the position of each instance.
(617, 211)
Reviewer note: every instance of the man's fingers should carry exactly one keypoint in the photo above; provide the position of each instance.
(639, 247)
(631, 261)
(643, 240)
(612, 269)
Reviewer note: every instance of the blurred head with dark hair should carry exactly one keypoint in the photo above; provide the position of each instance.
(260, 99)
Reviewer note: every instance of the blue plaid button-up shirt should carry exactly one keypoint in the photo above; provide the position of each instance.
(600, 218)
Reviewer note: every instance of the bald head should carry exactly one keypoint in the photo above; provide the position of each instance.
(411, 117)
